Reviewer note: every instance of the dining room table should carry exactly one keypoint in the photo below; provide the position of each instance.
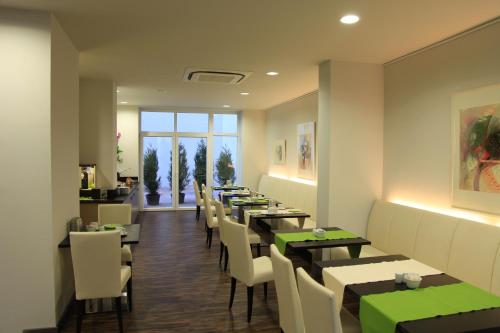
(228, 188)
(130, 237)
(242, 203)
(366, 287)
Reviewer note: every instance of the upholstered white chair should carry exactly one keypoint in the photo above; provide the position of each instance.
(318, 305)
(211, 222)
(242, 266)
(253, 237)
(98, 271)
(290, 310)
(198, 199)
(117, 214)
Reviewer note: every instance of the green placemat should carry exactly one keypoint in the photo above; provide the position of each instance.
(231, 201)
(380, 313)
(281, 239)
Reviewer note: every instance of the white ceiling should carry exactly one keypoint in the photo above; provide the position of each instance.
(145, 46)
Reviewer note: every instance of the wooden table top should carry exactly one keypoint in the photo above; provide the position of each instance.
(132, 237)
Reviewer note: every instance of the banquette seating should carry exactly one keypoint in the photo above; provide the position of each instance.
(293, 194)
(467, 250)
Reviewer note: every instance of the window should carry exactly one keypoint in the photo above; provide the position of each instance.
(225, 123)
(157, 121)
(185, 146)
(192, 122)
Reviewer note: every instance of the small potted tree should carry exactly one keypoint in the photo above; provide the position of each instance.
(184, 172)
(151, 179)
(200, 163)
(224, 168)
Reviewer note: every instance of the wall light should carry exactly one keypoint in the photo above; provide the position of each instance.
(124, 102)
(293, 179)
(458, 213)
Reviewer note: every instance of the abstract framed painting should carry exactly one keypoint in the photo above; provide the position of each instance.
(476, 149)
(306, 150)
(279, 152)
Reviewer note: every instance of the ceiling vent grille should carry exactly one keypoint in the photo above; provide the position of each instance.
(227, 77)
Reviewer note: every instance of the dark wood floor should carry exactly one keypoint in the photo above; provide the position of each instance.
(179, 287)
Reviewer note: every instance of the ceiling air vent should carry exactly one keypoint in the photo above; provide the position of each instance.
(215, 76)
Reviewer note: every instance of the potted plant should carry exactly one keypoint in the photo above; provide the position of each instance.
(224, 168)
(200, 163)
(184, 172)
(151, 179)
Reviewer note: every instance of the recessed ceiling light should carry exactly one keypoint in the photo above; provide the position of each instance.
(124, 102)
(117, 90)
(272, 73)
(244, 93)
(226, 106)
(349, 19)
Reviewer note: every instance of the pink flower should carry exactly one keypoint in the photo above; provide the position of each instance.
(118, 136)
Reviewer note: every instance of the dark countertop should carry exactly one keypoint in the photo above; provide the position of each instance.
(116, 200)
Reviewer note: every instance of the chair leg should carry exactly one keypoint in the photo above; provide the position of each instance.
(249, 303)
(226, 258)
(129, 294)
(233, 289)
(221, 252)
(118, 305)
(258, 250)
(265, 290)
(80, 309)
(210, 233)
(198, 210)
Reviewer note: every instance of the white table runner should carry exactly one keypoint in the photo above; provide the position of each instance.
(336, 278)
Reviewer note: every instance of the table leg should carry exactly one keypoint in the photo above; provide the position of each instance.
(354, 251)
(241, 215)
(301, 222)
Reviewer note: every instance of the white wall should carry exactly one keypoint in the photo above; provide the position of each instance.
(64, 160)
(30, 199)
(128, 125)
(418, 89)
(253, 144)
(282, 121)
(98, 129)
(356, 141)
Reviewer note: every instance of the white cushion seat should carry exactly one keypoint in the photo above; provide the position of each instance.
(253, 237)
(262, 270)
(125, 275)
(366, 251)
(126, 253)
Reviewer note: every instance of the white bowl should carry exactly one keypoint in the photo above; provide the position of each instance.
(413, 280)
(320, 233)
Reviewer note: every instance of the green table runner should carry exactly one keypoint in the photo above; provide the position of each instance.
(281, 239)
(380, 313)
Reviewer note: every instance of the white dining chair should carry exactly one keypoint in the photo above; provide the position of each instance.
(117, 214)
(98, 272)
(198, 199)
(211, 222)
(243, 267)
(290, 310)
(318, 305)
(253, 237)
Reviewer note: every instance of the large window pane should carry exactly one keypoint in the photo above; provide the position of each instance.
(157, 172)
(192, 165)
(157, 121)
(225, 154)
(192, 122)
(225, 123)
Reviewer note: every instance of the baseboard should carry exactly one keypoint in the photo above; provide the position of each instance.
(41, 330)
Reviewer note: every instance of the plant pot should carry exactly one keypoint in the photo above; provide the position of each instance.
(182, 196)
(153, 199)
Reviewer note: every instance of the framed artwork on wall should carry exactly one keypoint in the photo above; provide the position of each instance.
(476, 149)
(279, 152)
(306, 150)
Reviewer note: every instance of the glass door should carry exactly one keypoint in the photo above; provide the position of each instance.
(157, 172)
(192, 164)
